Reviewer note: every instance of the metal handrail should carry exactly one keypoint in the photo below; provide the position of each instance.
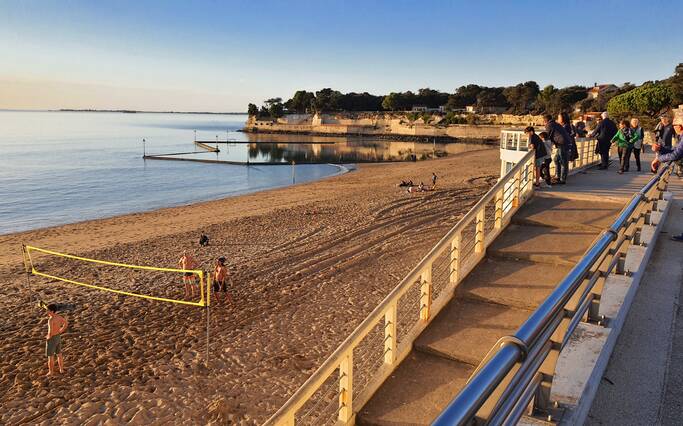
(535, 331)
(283, 415)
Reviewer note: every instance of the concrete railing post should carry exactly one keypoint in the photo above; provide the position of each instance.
(516, 187)
(426, 293)
(479, 230)
(390, 336)
(499, 211)
(455, 258)
(346, 388)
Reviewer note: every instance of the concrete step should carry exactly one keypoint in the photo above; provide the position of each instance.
(560, 212)
(466, 329)
(416, 393)
(557, 246)
(516, 283)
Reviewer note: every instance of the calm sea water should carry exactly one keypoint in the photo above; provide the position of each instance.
(64, 167)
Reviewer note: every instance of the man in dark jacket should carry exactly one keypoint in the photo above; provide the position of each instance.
(665, 132)
(666, 154)
(604, 132)
(561, 140)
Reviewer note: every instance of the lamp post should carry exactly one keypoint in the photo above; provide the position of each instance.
(195, 136)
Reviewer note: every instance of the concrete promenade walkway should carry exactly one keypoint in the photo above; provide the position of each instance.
(643, 383)
(545, 239)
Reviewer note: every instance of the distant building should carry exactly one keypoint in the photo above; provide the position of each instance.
(485, 110)
(601, 89)
(423, 108)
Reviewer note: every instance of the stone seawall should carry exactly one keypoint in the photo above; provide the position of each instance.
(386, 128)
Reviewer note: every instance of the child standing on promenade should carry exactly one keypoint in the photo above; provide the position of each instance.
(624, 140)
(540, 153)
(545, 169)
(189, 279)
(56, 325)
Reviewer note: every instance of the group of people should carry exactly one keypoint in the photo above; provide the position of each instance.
(628, 137)
(556, 144)
(411, 187)
(220, 278)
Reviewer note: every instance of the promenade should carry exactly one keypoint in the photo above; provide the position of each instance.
(545, 239)
(643, 383)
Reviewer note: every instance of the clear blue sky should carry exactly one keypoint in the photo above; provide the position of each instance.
(220, 55)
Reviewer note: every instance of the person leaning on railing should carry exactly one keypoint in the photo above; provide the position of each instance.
(562, 142)
(665, 154)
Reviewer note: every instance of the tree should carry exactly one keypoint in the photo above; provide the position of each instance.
(252, 110)
(360, 102)
(431, 98)
(327, 100)
(491, 97)
(300, 102)
(675, 83)
(275, 107)
(521, 97)
(649, 100)
(553, 101)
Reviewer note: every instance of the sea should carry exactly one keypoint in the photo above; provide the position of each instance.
(62, 167)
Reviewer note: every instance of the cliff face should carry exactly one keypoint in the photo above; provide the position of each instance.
(389, 124)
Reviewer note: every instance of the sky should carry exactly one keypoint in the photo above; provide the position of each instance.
(197, 55)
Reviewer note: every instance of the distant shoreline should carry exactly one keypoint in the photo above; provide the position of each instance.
(123, 111)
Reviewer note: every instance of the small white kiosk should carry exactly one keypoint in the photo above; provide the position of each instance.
(514, 145)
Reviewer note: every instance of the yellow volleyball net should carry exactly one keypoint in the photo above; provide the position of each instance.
(146, 282)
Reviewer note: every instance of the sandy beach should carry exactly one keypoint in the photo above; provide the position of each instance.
(309, 262)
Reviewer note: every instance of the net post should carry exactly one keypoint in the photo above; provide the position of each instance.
(27, 269)
(208, 312)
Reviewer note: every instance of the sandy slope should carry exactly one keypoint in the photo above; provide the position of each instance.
(309, 262)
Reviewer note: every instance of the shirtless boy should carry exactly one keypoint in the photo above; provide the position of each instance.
(56, 325)
(220, 280)
(189, 279)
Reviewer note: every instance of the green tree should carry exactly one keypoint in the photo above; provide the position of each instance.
(327, 100)
(275, 107)
(491, 97)
(252, 110)
(300, 102)
(675, 82)
(649, 100)
(521, 97)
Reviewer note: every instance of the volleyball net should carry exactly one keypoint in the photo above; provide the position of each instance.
(145, 282)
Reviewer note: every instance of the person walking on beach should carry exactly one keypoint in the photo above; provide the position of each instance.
(604, 132)
(189, 279)
(56, 325)
(434, 177)
(561, 141)
(220, 280)
(624, 142)
(638, 137)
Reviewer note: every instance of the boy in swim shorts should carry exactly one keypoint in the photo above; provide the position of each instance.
(56, 325)
(189, 278)
(220, 280)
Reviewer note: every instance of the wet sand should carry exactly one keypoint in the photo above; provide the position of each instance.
(309, 262)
